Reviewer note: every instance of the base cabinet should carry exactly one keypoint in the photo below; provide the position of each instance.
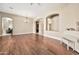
(77, 46)
(74, 44)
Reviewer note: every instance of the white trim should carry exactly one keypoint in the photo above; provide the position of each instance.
(58, 38)
(54, 37)
(21, 33)
(4, 35)
(18, 34)
(38, 33)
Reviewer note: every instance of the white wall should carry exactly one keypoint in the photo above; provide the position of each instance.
(41, 26)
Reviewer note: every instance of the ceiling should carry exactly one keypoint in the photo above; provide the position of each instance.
(30, 9)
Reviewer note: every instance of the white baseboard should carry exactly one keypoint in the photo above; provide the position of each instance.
(39, 34)
(54, 37)
(22, 33)
(18, 34)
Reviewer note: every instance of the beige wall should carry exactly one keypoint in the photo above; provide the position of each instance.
(68, 16)
(0, 26)
(20, 27)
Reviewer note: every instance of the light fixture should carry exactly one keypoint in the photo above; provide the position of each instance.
(26, 20)
(34, 4)
(11, 7)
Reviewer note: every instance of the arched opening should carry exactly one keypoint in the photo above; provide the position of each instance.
(52, 22)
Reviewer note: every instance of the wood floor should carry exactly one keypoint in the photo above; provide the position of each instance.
(32, 44)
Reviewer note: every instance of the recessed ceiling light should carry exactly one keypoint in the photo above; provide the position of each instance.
(34, 3)
(11, 7)
(31, 3)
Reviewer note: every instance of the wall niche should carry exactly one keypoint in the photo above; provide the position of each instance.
(52, 22)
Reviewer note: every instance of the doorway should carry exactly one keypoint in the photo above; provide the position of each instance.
(37, 26)
(7, 26)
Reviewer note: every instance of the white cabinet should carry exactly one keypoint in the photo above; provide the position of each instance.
(70, 43)
(71, 39)
(77, 46)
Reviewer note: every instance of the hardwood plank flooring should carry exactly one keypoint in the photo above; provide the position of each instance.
(32, 44)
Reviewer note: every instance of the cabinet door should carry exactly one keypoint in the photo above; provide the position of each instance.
(77, 46)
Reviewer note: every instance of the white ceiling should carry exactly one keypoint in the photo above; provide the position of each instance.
(26, 9)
